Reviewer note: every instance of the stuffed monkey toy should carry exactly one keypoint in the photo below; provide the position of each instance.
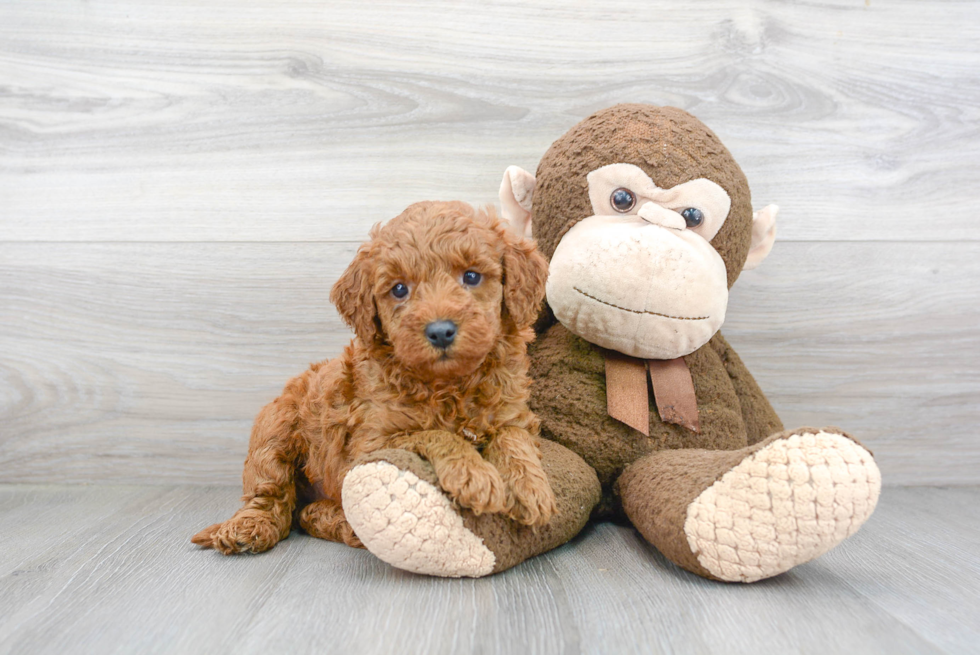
(647, 222)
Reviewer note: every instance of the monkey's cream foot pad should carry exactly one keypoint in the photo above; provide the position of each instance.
(411, 524)
(784, 505)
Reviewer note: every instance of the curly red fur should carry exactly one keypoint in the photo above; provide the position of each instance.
(391, 388)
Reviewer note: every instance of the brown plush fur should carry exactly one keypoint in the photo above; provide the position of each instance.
(570, 400)
(576, 490)
(671, 145)
(657, 490)
(392, 389)
(570, 395)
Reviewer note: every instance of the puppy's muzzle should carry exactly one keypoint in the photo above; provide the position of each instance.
(441, 334)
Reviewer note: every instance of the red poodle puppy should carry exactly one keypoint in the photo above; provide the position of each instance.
(441, 300)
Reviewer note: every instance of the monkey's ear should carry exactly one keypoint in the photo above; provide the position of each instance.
(516, 193)
(763, 236)
(525, 276)
(353, 295)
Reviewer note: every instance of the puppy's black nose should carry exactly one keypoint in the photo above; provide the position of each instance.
(441, 333)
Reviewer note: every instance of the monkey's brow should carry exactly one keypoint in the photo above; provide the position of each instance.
(641, 311)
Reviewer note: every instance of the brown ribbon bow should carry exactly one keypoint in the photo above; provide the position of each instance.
(627, 399)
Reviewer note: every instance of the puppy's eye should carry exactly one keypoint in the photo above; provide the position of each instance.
(693, 216)
(622, 200)
(471, 278)
(399, 291)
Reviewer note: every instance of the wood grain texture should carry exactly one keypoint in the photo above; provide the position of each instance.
(305, 121)
(181, 182)
(147, 362)
(110, 570)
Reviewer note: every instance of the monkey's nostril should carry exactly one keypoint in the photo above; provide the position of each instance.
(441, 333)
(657, 215)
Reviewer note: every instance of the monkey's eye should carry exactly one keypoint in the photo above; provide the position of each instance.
(693, 216)
(622, 200)
(399, 291)
(471, 278)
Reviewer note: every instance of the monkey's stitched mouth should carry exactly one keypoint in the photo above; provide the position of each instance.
(639, 311)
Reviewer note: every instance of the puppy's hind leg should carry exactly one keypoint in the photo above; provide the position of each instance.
(269, 487)
(325, 519)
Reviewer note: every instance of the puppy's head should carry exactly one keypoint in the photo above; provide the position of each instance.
(440, 285)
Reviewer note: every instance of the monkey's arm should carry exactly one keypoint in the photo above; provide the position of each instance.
(759, 416)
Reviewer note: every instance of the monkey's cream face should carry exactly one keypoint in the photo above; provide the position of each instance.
(640, 275)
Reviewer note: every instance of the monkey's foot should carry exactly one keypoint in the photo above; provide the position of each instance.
(393, 501)
(786, 504)
(411, 524)
(744, 515)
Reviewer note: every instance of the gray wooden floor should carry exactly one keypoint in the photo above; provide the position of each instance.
(105, 569)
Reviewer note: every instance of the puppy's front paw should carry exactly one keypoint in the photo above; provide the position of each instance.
(241, 533)
(474, 484)
(533, 501)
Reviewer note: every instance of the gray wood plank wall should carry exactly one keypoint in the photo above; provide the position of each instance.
(181, 183)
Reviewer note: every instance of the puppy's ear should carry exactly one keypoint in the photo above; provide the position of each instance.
(354, 297)
(525, 275)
